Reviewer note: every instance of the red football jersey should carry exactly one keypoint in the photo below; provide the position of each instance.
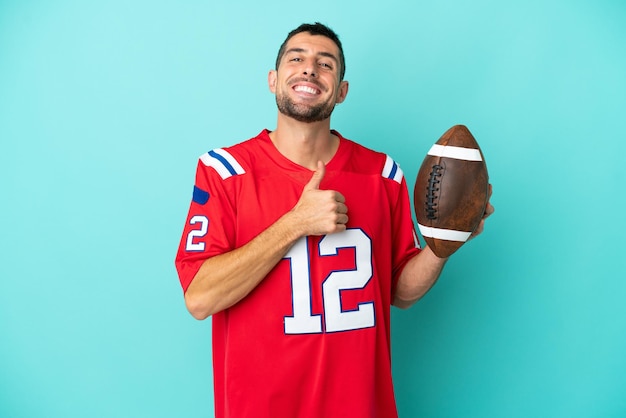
(312, 339)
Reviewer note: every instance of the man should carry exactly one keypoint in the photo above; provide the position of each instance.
(297, 242)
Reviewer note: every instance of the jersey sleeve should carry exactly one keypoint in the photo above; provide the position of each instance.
(210, 225)
(405, 241)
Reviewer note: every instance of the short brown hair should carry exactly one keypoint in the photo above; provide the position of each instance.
(315, 29)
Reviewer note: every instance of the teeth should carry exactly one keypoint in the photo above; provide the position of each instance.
(306, 89)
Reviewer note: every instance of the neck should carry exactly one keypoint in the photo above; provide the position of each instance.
(305, 143)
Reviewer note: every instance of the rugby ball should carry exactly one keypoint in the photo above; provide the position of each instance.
(451, 191)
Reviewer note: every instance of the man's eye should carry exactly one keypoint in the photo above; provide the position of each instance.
(326, 65)
(296, 59)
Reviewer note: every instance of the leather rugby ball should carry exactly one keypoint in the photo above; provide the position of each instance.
(451, 191)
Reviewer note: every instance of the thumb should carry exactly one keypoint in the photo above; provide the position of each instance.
(317, 177)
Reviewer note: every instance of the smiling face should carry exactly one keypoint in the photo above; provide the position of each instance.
(307, 81)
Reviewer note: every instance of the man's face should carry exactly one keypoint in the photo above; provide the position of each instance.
(306, 83)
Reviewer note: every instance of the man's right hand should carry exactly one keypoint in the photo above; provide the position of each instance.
(320, 212)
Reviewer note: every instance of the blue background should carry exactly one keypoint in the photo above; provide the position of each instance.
(105, 107)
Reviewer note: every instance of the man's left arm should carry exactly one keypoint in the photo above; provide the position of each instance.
(422, 271)
(419, 274)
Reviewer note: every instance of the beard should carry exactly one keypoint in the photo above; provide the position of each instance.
(303, 113)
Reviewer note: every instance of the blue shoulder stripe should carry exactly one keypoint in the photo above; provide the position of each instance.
(223, 162)
(392, 170)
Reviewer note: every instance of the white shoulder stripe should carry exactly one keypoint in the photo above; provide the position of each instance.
(458, 153)
(392, 170)
(447, 234)
(223, 162)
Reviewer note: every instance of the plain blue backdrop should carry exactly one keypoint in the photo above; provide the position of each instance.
(105, 107)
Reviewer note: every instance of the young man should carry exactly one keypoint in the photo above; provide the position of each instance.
(297, 242)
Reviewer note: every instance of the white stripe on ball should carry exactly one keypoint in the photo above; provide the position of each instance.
(445, 234)
(458, 153)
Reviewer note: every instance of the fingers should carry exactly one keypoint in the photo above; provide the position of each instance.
(341, 206)
(316, 179)
(489, 209)
(340, 199)
(320, 211)
(479, 229)
(334, 214)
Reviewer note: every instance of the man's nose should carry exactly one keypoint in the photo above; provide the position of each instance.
(309, 69)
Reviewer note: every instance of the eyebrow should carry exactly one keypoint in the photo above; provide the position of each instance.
(321, 53)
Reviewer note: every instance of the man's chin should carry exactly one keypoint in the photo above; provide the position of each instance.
(305, 114)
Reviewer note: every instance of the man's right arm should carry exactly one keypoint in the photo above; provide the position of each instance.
(225, 279)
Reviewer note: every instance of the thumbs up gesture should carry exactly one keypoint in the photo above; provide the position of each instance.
(320, 212)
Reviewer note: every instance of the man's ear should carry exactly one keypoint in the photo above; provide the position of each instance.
(343, 91)
(271, 80)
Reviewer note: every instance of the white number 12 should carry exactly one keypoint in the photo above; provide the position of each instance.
(335, 318)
